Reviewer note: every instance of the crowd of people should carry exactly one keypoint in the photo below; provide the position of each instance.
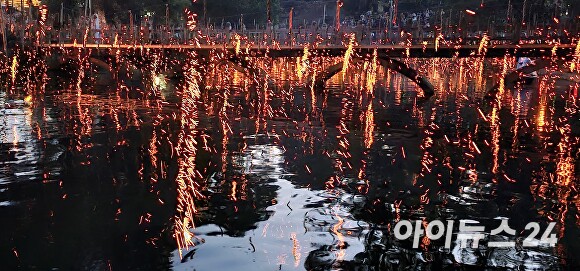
(369, 28)
(416, 19)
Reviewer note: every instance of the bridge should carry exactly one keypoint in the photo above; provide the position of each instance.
(100, 55)
(393, 51)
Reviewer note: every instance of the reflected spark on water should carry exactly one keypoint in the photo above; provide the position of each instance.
(187, 176)
(318, 175)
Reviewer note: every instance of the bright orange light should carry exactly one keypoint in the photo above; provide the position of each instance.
(469, 11)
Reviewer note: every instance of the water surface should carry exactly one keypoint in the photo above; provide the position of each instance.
(258, 174)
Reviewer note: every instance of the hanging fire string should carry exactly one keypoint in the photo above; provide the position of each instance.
(269, 3)
(339, 4)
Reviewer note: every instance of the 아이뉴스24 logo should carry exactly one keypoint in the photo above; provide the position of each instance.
(470, 233)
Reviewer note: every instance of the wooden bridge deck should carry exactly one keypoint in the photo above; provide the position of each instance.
(415, 51)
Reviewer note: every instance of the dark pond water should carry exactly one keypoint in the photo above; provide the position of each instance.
(251, 175)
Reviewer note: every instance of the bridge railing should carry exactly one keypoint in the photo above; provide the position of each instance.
(295, 37)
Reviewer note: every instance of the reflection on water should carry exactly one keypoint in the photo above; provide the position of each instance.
(287, 231)
(208, 169)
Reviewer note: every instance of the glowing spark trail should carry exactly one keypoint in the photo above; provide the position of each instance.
(481, 61)
(237, 44)
(372, 75)
(191, 19)
(348, 55)
(188, 188)
(576, 62)
(303, 65)
(483, 45)
(14, 68)
(437, 40)
(369, 126)
(187, 150)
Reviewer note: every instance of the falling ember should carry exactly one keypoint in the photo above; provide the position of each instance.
(85, 37)
(437, 40)
(116, 40)
(565, 170)
(565, 165)
(237, 44)
(482, 51)
(555, 50)
(483, 45)
(372, 75)
(495, 123)
(158, 80)
(303, 65)
(43, 11)
(187, 150)
(470, 12)
(481, 114)
(516, 111)
(81, 75)
(348, 55)
(312, 94)
(14, 68)
(226, 130)
(475, 147)
(299, 68)
(369, 126)
(541, 122)
(576, 62)
(43, 15)
(495, 138)
(191, 19)
(502, 78)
